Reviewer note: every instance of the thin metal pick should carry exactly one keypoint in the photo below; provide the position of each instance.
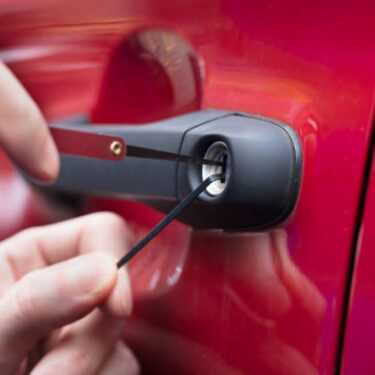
(172, 215)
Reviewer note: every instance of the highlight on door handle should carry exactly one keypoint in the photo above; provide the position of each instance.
(260, 160)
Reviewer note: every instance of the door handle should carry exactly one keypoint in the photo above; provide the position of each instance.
(261, 159)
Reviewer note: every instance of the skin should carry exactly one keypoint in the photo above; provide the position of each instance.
(62, 300)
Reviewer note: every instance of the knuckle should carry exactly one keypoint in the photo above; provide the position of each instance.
(111, 221)
(104, 227)
(27, 238)
(27, 235)
(23, 298)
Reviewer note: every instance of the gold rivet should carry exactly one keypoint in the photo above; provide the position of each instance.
(116, 148)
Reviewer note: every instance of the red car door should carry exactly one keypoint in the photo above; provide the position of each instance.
(208, 302)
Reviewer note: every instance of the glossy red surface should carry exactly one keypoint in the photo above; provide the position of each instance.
(359, 349)
(267, 303)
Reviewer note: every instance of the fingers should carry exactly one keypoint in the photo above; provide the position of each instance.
(121, 362)
(50, 298)
(117, 242)
(39, 247)
(82, 347)
(42, 246)
(23, 132)
(120, 302)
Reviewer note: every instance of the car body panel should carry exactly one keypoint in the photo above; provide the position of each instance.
(360, 328)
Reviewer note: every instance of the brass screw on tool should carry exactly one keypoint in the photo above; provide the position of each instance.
(116, 148)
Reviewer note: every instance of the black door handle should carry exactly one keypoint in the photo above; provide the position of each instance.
(261, 159)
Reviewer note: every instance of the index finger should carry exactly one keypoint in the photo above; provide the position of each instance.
(43, 246)
(24, 135)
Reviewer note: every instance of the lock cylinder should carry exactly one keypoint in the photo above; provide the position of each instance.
(217, 151)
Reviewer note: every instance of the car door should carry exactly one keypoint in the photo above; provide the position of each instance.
(209, 302)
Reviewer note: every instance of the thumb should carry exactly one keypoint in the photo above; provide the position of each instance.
(23, 131)
(50, 298)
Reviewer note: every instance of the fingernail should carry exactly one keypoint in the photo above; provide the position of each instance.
(50, 162)
(125, 292)
(92, 274)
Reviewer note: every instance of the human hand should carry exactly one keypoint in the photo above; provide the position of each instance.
(24, 134)
(59, 286)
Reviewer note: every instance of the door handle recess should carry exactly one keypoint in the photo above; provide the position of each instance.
(262, 166)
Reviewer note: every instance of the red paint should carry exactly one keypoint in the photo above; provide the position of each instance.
(359, 347)
(165, 79)
(235, 304)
